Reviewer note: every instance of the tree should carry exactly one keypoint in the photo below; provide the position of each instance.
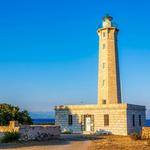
(10, 113)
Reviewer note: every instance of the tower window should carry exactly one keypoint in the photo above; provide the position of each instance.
(104, 46)
(69, 119)
(106, 120)
(103, 82)
(140, 121)
(103, 65)
(104, 34)
(104, 101)
(133, 120)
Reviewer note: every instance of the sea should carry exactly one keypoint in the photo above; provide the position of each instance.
(147, 123)
(52, 121)
(43, 121)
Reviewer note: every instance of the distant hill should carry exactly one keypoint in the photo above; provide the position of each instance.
(42, 115)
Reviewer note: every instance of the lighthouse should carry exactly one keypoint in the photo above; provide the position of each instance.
(109, 91)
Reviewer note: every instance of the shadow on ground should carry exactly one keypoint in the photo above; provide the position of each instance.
(63, 140)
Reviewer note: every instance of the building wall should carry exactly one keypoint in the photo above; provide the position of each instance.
(119, 118)
(117, 121)
(136, 111)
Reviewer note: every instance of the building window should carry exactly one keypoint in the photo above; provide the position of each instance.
(103, 82)
(103, 65)
(140, 121)
(106, 120)
(104, 34)
(133, 120)
(104, 46)
(69, 119)
(104, 101)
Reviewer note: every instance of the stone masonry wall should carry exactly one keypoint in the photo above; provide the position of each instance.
(108, 71)
(39, 132)
(146, 133)
(32, 132)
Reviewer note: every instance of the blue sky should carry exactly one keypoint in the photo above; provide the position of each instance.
(49, 51)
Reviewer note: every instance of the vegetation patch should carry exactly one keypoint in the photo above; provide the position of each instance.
(10, 113)
(67, 132)
(148, 142)
(10, 137)
(135, 136)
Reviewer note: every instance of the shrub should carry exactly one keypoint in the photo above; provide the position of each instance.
(135, 136)
(148, 142)
(67, 132)
(10, 137)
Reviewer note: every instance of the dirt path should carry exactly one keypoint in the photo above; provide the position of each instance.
(65, 143)
(75, 145)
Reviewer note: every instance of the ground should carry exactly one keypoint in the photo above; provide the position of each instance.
(118, 143)
(80, 142)
(66, 142)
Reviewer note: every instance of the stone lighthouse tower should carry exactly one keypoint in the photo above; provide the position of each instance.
(109, 115)
(108, 73)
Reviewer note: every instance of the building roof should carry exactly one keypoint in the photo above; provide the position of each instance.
(107, 16)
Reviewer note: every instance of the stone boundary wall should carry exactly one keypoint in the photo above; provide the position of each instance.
(39, 132)
(32, 132)
(146, 133)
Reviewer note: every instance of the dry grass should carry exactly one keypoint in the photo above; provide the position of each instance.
(118, 143)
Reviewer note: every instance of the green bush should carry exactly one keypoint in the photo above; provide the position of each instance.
(10, 137)
(10, 113)
(67, 132)
(135, 136)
